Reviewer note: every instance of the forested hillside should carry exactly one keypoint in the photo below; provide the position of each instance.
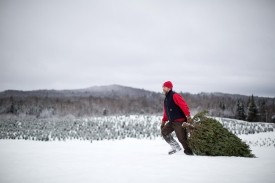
(116, 99)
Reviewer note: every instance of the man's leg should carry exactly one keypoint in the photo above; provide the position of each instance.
(166, 133)
(181, 134)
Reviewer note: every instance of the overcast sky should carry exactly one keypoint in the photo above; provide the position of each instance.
(201, 46)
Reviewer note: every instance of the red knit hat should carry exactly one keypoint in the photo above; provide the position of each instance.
(168, 84)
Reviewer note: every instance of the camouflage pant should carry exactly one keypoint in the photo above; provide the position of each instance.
(180, 133)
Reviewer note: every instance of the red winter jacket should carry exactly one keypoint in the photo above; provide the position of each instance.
(178, 99)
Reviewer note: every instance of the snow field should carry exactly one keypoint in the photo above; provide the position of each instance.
(142, 158)
(128, 160)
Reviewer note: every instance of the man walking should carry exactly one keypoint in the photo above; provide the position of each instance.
(176, 112)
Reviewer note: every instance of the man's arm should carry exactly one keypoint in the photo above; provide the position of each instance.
(164, 117)
(178, 99)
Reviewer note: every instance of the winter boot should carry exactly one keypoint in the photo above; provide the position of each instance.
(173, 143)
(172, 151)
(188, 152)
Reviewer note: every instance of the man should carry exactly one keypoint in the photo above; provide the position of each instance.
(176, 112)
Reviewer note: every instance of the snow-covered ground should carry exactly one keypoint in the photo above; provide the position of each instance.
(128, 161)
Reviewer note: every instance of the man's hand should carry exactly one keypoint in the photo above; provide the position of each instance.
(184, 124)
(187, 125)
(189, 120)
(162, 125)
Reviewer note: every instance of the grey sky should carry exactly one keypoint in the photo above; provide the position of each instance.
(201, 46)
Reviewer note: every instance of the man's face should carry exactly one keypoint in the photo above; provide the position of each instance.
(165, 89)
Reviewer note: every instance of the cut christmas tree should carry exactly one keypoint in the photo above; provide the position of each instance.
(209, 138)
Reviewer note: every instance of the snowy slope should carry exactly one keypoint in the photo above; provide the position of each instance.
(128, 160)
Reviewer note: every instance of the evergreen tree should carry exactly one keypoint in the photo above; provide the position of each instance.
(208, 137)
(248, 102)
(13, 108)
(104, 112)
(263, 111)
(240, 112)
(252, 114)
(222, 106)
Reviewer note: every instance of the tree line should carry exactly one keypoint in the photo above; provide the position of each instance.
(43, 107)
(249, 108)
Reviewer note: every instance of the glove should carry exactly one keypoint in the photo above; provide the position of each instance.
(162, 125)
(187, 125)
(184, 124)
(189, 120)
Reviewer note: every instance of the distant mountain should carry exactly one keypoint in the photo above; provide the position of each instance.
(95, 91)
(115, 90)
